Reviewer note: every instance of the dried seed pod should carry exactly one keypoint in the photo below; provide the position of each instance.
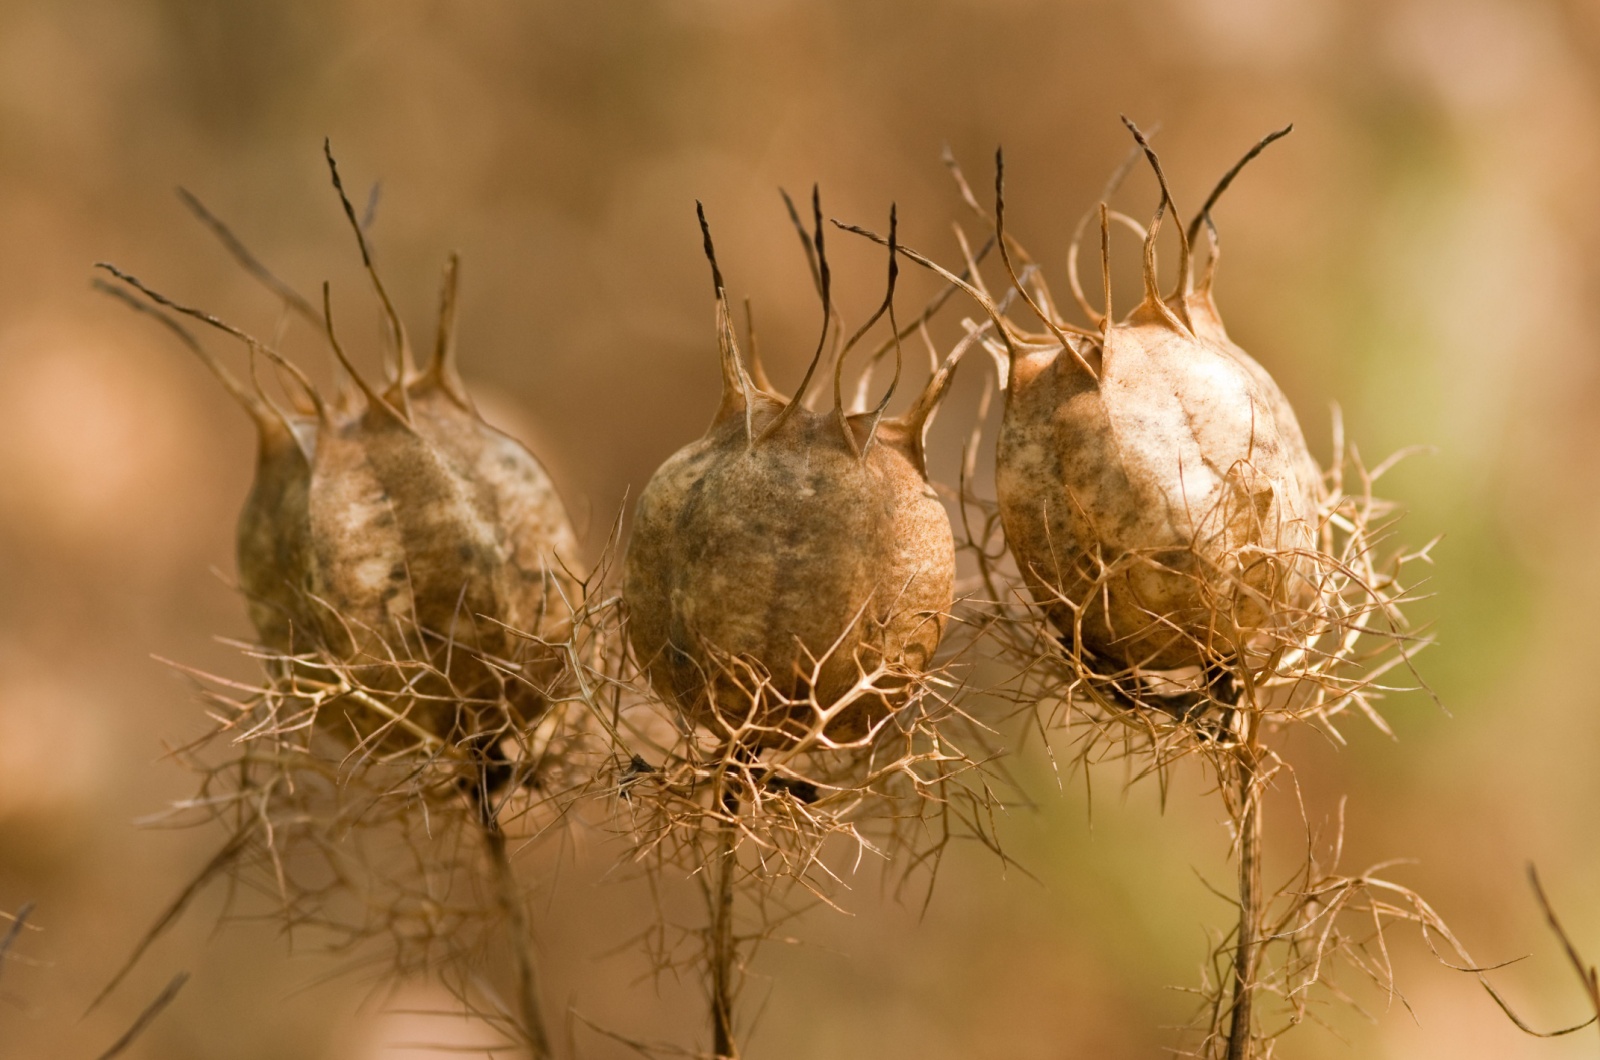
(1153, 481)
(417, 555)
(396, 532)
(432, 532)
(790, 572)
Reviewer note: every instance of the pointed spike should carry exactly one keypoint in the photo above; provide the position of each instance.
(710, 251)
(248, 401)
(443, 366)
(805, 239)
(825, 288)
(927, 402)
(824, 274)
(735, 383)
(758, 370)
(405, 369)
(894, 330)
(375, 400)
(1166, 203)
(917, 418)
(1227, 179)
(444, 347)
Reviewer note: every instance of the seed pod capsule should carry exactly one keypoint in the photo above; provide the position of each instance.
(433, 539)
(790, 572)
(1153, 481)
(397, 535)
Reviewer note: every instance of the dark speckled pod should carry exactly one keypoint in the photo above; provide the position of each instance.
(784, 554)
(397, 534)
(429, 534)
(512, 487)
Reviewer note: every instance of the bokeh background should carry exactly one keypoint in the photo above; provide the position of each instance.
(1424, 250)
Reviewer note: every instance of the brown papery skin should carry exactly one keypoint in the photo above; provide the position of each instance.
(531, 526)
(776, 554)
(273, 535)
(1156, 511)
(521, 502)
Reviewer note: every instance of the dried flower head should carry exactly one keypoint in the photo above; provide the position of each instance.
(1154, 483)
(790, 572)
(787, 584)
(397, 533)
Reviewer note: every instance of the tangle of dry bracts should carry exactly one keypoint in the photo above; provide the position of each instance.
(1345, 649)
(795, 810)
(766, 832)
(1324, 940)
(368, 835)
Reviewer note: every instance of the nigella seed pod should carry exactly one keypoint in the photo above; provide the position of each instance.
(434, 537)
(1153, 481)
(394, 538)
(411, 551)
(789, 574)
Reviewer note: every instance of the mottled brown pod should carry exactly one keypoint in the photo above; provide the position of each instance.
(431, 533)
(433, 538)
(1154, 483)
(398, 535)
(790, 573)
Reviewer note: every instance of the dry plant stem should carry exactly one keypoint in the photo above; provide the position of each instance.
(1588, 974)
(1245, 952)
(510, 902)
(19, 920)
(722, 946)
(168, 994)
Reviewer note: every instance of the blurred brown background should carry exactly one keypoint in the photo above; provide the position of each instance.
(1425, 250)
